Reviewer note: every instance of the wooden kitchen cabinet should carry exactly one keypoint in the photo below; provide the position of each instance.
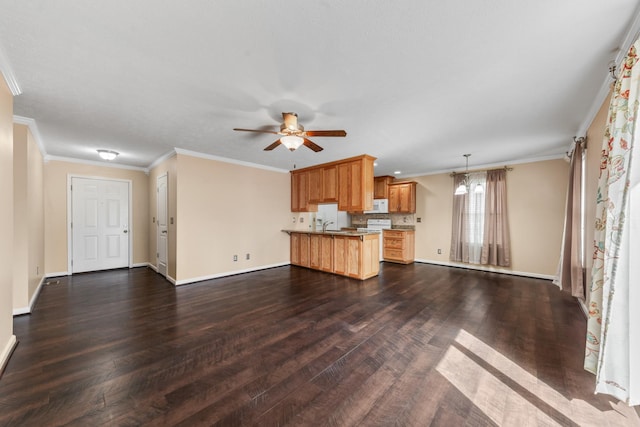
(323, 184)
(355, 185)
(402, 197)
(398, 246)
(380, 186)
(300, 245)
(300, 181)
(352, 256)
(356, 256)
(321, 252)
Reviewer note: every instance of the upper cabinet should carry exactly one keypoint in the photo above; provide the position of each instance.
(300, 181)
(348, 182)
(402, 197)
(355, 184)
(323, 184)
(380, 186)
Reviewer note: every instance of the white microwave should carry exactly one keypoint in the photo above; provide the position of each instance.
(379, 206)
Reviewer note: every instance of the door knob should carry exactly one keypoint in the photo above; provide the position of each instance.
(164, 231)
(125, 231)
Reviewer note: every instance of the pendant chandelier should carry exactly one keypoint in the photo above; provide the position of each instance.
(463, 188)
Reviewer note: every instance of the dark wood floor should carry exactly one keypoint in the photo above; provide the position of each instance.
(418, 345)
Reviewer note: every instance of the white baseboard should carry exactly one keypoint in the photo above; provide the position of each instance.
(152, 266)
(227, 273)
(58, 274)
(140, 264)
(32, 302)
(487, 269)
(7, 351)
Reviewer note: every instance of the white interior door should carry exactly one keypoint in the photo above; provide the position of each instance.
(162, 214)
(100, 224)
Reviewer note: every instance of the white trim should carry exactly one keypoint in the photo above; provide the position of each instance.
(228, 273)
(33, 127)
(105, 164)
(9, 76)
(57, 274)
(583, 306)
(32, 302)
(7, 351)
(171, 280)
(227, 160)
(489, 165)
(70, 216)
(140, 264)
(153, 267)
(161, 159)
(487, 269)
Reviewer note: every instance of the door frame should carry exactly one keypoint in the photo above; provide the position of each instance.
(70, 216)
(166, 249)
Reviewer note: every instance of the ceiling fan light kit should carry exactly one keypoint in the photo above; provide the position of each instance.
(294, 135)
(292, 142)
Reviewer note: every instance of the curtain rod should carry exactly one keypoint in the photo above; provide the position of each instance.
(577, 140)
(506, 168)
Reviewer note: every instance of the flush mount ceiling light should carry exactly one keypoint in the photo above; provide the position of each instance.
(292, 142)
(463, 188)
(108, 154)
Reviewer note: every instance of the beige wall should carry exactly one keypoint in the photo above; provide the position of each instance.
(7, 339)
(28, 217)
(169, 167)
(535, 196)
(595, 135)
(55, 208)
(225, 209)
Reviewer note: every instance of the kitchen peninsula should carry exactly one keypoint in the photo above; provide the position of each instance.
(346, 253)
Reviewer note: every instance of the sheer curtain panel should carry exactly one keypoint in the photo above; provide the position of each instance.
(496, 247)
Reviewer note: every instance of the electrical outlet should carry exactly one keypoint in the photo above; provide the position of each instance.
(419, 219)
(439, 251)
(301, 219)
(248, 256)
(294, 219)
(235, 257)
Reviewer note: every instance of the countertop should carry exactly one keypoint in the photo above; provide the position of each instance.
(334, 232)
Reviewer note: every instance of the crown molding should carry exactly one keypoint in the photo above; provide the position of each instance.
(95, 163)
(226, 160)
(489, 165)
(33, 128)
(161, 159)
(7, 72)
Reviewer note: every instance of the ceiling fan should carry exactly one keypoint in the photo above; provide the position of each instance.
(294, 135)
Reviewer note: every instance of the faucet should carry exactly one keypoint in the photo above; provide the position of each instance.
(325, 224)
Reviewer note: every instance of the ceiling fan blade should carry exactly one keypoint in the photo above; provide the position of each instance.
(326, 133)
(272, 146)
(255, 130)
(315, 147)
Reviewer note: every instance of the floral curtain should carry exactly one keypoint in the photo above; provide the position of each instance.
(571, 270)
(613, 330)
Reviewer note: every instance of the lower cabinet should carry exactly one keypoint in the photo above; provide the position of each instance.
(352, 256)
(398, 246)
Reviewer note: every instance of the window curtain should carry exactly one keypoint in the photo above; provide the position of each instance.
(496, 247)
(468, 220)
(613, 329)
(570, 271)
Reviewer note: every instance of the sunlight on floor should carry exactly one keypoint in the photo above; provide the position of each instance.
(509, 395)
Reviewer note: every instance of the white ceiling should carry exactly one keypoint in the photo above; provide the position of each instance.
(415, 83)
